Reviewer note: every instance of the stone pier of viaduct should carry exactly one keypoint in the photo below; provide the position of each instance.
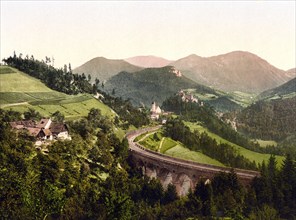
(169, 170)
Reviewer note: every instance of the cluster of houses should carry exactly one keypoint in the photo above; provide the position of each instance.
(189, 98)
(44, 130)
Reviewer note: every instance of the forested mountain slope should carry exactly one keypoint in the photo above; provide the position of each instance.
(148, 85)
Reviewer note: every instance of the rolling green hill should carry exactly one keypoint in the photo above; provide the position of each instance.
(19, 92)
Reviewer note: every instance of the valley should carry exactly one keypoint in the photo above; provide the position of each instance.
(147, 110)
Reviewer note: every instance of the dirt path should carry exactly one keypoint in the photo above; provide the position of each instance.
(160, 145)
(14, 104)
(143, 138)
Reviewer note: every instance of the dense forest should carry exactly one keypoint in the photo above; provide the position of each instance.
(92, 177)
(276, 115)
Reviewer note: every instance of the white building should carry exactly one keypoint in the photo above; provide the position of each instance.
(155, 111)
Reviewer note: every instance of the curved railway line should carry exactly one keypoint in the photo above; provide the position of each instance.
(136, 148)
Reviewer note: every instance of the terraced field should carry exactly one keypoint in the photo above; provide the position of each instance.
(19, 92)
(172, 148)
(251, 155)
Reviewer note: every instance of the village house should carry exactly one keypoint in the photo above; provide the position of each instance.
(44, 130)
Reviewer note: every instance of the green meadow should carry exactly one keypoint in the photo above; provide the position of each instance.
(19, 92)
(265, 143)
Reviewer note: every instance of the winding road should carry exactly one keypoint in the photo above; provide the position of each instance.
(144, 152)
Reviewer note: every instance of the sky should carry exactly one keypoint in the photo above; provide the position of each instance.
(77, 31)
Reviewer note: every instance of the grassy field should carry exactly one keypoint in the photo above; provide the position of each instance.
(19, 92)
(172, 148)
(264, 143)
(241, 98)
(17, 81)
(167, 144)
(182, 152)
(150, 142)
(251, 155)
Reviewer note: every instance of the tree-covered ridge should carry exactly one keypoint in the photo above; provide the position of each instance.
(269, 120)
(148, 85)
(62, 80)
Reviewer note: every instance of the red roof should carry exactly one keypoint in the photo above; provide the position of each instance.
(34, 131)
(58, 127)
(42, 123)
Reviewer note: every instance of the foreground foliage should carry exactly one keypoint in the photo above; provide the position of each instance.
(91, 177)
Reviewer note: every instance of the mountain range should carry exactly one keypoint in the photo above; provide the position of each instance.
(234, 71)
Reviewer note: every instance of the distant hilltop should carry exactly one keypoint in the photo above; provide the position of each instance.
(148, 61)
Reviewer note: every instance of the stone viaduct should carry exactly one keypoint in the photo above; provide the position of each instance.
(181, 173)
